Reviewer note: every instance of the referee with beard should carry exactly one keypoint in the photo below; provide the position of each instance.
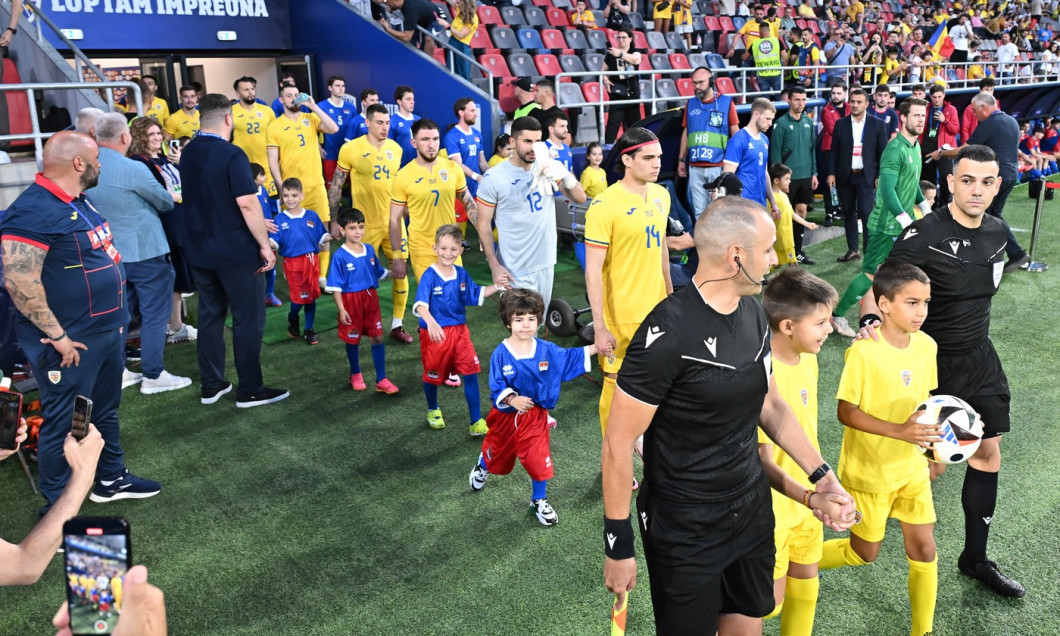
(962, 249)
(697, 383)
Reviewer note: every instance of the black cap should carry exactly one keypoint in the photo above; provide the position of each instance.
(524, 83)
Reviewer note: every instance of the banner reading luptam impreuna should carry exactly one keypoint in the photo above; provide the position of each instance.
(172, 25)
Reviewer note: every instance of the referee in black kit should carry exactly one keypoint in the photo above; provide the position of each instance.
(962, 249)
(697, 383)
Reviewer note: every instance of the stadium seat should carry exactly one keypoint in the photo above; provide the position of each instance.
(647, 92)
(557, 17)
(725, 86)
(529, 39)
(593, 61)
(659, 61)
(636, 20)
(726, 24)
(504, 39)
(495, 63)
(814, 27)
(675, 42)
(512, 16)
(17, 106)
(645, 63)
(656, 41)
(561, 4)
(598, 16)
(544, 4)
(481, 43)
(738, 22)
(535, 17)
(684, 87)
(553, 39)
(726, 45)
(575, 40)
(522, 65)
(715, 62)
(696, 60)
(639, 41)
(588, 131)
(439, 55)
(569, 94)
(824, 26)
(597, 39)
(800, 23)
(593, 92)
(506, 96)
(488, 15)
(571, 64)
(547, 65)
(678, 61)
(666, 88)
(712, 23)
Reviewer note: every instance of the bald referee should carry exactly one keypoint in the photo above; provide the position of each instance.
(697, 382)
(962, 250)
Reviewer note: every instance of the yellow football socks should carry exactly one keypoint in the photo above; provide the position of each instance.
(800, 605)
(837, 553)
(400, 296)
(923, 592)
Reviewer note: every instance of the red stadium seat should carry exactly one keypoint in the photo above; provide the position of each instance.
(612, 38)
(544, 4)
(816, 28)
(480, 40)
(685, 88)
(678, 61)
(439, 54)
(800, 23)
(548, 65)
(488, 15)
(725, 21)
(557, 17)
(645, 62)
(495, 63)
(725, 86)
(712, 22)
(17, 106)
(506, 96)
(593, 92)
(553, 39)
(639, 41)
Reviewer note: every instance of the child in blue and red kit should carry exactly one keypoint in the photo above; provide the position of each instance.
(445, 289)
(298, 238)
(525, 374)
(269, 207)
(353, 279)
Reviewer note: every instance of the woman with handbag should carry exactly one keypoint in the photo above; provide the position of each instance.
(623, 57)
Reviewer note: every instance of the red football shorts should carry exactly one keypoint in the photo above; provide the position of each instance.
(303, 278)
(461, 212)
(522, 435)
(455, 354)
(329, 170)
(365, 317)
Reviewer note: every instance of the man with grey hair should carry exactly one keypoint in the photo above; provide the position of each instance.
(696, 382)
(132, 200)
(87, 118)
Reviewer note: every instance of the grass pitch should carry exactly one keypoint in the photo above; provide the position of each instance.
(337, 512)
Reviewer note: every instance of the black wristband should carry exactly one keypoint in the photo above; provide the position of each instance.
(868, 319)
(13, 30)
(618, 538)
(819, 474)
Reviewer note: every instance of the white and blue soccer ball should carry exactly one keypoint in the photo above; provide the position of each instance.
(961, 428)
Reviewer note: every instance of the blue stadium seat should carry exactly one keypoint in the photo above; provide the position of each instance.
(529, 38)
(737, 22)
(715, 62)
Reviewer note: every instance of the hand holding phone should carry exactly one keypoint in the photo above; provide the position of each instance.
(97, 555)
(10, 419)
(82, 416)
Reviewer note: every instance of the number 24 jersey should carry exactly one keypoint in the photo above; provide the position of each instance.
(372, 173)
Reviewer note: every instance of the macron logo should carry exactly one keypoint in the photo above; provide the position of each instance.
(987, 520)
(910, 234)
(712, 345)
(611, 541)
(644, 519)
(654, 333)
(954, 245)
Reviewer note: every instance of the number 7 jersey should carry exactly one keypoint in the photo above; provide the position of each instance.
(633, 231)
(372, 173)
(430, 194)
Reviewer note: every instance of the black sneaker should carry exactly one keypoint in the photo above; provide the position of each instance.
(805, 260)
(210, 396)
(987, 573)
(851, 255)
(128, 486)
(292, 327)
(1018, 263)
(267, 396)
(310, 337)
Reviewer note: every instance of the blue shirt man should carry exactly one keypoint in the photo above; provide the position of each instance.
(341, 114)
(749, 155)
(467, 146)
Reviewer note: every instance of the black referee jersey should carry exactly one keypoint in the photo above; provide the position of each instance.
(708, 374)
(965, 267)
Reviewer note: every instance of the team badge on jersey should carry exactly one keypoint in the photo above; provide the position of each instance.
(310, 224)
(258, 114)
(507, 370)
(543, 365)
(389, 155)
(305, 122)
(659, 207)
(463, 286)
(804, 395)
(443, 175)
(907, 377)
(55, 376)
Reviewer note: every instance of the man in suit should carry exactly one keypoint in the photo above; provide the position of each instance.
(853, 168)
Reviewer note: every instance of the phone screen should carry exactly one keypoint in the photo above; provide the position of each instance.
(82, 416)
(10, 412)
(97, 555)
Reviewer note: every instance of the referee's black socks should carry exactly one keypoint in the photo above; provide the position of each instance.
(978, 497)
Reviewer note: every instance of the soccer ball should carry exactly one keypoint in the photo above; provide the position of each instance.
(962, 430)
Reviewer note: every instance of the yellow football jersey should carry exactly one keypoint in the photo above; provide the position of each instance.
(798, 386)
(594, 181)
(158, 110)
(888, 384)
(297, 141)
(181, 124)
(496, 159)
(430, 194)
(248, 132)
(633, 231)
(372, 173)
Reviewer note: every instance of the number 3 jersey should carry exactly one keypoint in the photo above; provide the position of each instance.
(526, 221)
(372, 172)
(632, 229)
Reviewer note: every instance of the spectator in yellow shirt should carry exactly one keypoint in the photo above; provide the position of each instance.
(582, 16)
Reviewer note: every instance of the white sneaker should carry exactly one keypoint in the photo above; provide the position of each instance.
(130, 378)
(166, 381)
(185, 333)
(323, 282)
(188, 295)
(842, 327)
(478, 476)
(545, 514)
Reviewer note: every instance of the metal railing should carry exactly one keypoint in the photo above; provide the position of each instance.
(81, 60)
(31, 90)
(454, 53)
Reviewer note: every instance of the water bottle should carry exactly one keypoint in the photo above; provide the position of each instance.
(835, 196)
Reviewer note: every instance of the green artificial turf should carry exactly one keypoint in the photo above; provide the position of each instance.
(337, 512)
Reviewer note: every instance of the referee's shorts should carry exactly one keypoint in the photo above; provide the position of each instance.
(978, 378)
(708, 559)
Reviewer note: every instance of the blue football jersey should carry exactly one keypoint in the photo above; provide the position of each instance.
(401, 132)
(563, 154)
(446, 298)
(467, 147)
(357, 127)
(341, 115)
(751, 156)
(269, 205)
(300, 235)
(350, 272)
(536, 376)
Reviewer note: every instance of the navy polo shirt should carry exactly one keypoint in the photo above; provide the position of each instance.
(1001, 133)
(84, 285)
(213, 173)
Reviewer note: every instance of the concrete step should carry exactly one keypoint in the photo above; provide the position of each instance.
(15, 177)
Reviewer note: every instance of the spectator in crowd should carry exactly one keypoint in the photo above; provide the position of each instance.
(5, 40)
(1007, 54)
(766, 53)
(227, 248)
(969, 122)
(682, 16)
(462, 30)
(836, 107)
(582, 16)
(893, 69)
(416, 13)
(545, 96)
(134, 202)
(752, 29)
(250, 123)
(1051, 62)
(184, 122)
(806, 10)
(838, 53)
(622, 57)
(854, 168)
(882, 110)
(709, 121)
(793, 143)
(940, 132)
(617, 13)
(87, 118)
(524, 92)
(959, 34)
(26, 561)
(806, 55)
(71, 326)
(872, 58)
(662, 12)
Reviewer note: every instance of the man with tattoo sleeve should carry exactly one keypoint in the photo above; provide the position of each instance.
(56, 245)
